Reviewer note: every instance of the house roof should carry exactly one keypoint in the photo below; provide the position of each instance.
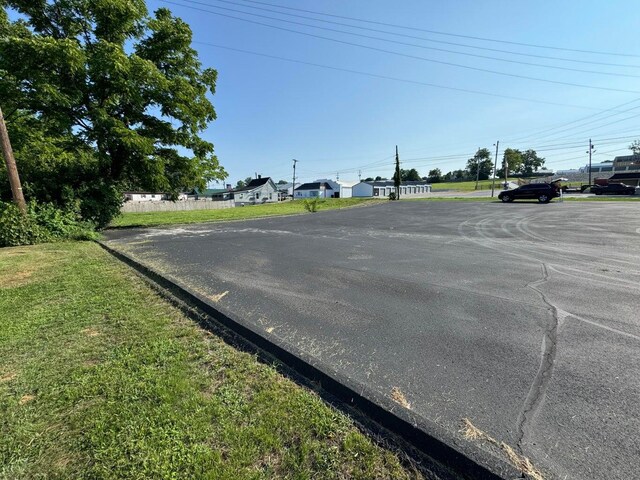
(143, 193)
(253, 184)
(210, 191)
(390, 183)
(314, 186)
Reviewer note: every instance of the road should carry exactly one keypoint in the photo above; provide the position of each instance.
(522, 318)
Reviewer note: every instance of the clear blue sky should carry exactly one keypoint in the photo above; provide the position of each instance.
(271, 111)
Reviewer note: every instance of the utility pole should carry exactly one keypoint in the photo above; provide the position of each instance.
(398, 179)
(337, 176)
(293, 186)
(359, 175)
(591, 145)
(477, 168)
(506, 172)
(12, 169)
(495, 165)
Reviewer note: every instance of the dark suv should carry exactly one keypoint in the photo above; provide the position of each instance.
(613, 189)
(543, 192)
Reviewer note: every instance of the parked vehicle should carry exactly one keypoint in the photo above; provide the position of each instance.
(613, 189)
(543, 192)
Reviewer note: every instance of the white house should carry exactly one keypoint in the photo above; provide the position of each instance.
(144, 196)
(341, 189)
(257, 191)
(383, 188)
(314, 190)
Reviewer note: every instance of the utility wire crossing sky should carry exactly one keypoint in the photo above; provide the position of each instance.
(337, 85)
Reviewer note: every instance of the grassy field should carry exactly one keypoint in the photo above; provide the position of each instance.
(467, 186)
(101, 378)
(237, 213)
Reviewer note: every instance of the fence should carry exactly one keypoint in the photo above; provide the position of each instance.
(178, 206)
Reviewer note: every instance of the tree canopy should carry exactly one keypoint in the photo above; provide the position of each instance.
(512, 159)
(101, 97)
(408, 175)
(435, 175)
(481, 160)
(531, 162)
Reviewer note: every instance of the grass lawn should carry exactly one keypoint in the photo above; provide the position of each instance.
(238, 213)
(101, 378)
(468, 186)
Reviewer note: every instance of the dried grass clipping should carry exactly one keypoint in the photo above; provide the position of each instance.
(398, 397)
(523, 464)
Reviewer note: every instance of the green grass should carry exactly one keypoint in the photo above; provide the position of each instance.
(468, 186)
(100, 378)
(237, 213)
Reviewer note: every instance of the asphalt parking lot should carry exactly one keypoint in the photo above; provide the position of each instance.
(522, 318)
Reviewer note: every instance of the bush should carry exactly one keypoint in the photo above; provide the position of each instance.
(43, 223)
(392, 196)
(311, 205)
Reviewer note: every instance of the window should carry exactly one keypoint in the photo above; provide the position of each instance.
(153, 196)
(376, 192)
(270, 196)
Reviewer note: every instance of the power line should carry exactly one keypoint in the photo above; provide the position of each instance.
(555, 127)
(484, 39)
(387, 77)
(443, 42)
(556, 67)
(404, 55)
(591, 129)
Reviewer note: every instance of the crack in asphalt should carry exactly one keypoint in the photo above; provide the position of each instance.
(541, 381)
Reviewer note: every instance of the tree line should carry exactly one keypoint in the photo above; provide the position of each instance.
(521, 163)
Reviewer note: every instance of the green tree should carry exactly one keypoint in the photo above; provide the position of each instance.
(635, 147)
(408, 175)
(513, 159)
(282, 182)
(530, 162)
(102, 97)
(481, 160)
(244, 183)
(435, 175)
(368, 179)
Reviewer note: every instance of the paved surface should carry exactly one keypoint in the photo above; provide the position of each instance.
(523, 318)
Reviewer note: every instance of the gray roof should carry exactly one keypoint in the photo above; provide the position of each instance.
(253, 184)
(314, 186)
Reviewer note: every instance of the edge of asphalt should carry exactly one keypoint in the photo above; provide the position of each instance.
(436, 451)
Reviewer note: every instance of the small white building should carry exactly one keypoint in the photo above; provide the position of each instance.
(383, 188)
(257, 191)
(314, 190)
(341, 189)
(145, 196)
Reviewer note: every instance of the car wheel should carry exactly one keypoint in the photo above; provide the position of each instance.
(543, 198)
(506, 198)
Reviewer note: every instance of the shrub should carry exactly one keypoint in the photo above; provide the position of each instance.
(17, 229)
(392, 196)
(43, 223)
(311, 205)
